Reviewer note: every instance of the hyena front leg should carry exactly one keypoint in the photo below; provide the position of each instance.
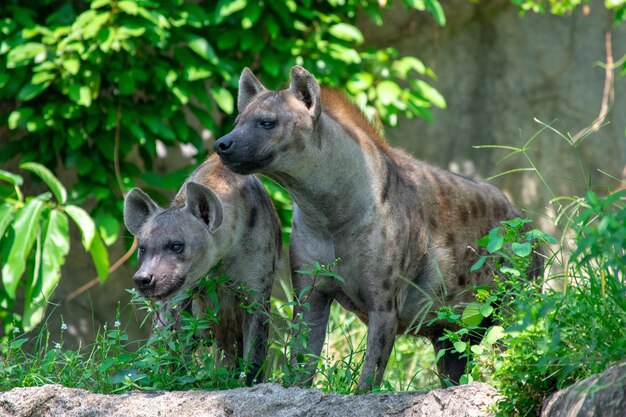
(255, 330)
(381, 334)
(310, 317)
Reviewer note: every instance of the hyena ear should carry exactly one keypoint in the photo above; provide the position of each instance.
(138, 206)
(305, 87)
(205, 205)
(249, 86)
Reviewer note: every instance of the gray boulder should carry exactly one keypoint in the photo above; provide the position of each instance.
(602, 395)
(473, 400)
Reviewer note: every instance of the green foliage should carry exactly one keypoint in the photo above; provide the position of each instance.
(97, 86)
(34, 242)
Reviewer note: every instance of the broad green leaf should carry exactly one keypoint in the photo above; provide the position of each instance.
(459, 346)
(100, 258)
(521, 249)
(510, 271)
(84, 222)
(203, 48)
(71, 65)
(80, 94)
(224, 99)
(108, 228)
(477, 349)
(471, 314)
(25, 53)
(495, 243)
(479, 263)
(32, 90)
(388, 92)
(486, 310)
(360, 81)
(346, 32)
(6, 215)
(403, 66)
(494, 334)
(435, 8)
(10, 177)
(19, 117)
(54, 249)
(129, 7)
(431, 94)
(25, 232)
(96, 4)
(227, 7)
(47, 177)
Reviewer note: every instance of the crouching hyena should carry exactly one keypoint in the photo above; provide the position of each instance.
(219, 220)
(403, 229)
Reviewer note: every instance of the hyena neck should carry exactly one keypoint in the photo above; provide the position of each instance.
(332, 184)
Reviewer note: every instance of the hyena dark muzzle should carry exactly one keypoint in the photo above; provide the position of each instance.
(241, 150)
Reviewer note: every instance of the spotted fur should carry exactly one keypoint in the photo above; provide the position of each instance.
(405, 231)
(220, 222)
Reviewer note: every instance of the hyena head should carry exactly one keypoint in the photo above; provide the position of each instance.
(273, 127)
(176, 245)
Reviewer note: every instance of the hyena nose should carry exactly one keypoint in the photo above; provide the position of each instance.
(144, 281)
(224, 145)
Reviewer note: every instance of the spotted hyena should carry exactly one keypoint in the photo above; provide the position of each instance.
(220, 222)
(403, 229)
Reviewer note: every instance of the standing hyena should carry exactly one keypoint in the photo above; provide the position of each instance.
(219, 220)
(402, 228)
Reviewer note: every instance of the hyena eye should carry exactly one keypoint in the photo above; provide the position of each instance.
(177, 247)
(141, 250)
(267, 124)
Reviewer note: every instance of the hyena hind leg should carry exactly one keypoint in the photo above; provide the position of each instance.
(451, 366)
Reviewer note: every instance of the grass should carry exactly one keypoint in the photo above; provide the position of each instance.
(548, 334)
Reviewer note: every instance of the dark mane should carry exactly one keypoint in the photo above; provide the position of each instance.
(336, 105)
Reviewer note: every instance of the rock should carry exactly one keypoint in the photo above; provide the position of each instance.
(473, 400)
(599, 395)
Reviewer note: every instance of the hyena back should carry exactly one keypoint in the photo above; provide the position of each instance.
(405, 231)
(220, 222)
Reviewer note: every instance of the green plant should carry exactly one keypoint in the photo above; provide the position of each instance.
(99, 86)
(34, 242)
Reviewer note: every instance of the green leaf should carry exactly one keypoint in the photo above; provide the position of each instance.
(224, 99)
(203, 48)
(477, 349)
(19, 117)
(495, 242)
(6, 215)
(32, 90)
(10, 177)
(360, 81)
(510, 271)
(494, 334)
(71, 65)
(479, 263)
(25, 231)
(388, 92)
(430, 94)
(80, 94)
(54, 249)
(521, 249)
(435, 8)
(47, 177)
(84, 222)
(346, 32)
(100, 258)
(459, 346)
(471, 314)
(486, 310)
(129, 7)
(23, 54)
(227, 7)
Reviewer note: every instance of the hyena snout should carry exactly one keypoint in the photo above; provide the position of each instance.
(144, 281)
(224, 146)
